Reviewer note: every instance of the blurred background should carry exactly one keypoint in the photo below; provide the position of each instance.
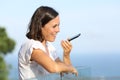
(98, 21)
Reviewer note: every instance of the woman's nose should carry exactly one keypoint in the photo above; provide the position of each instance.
(57, 29)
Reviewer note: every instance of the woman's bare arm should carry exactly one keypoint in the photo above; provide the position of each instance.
(51, 66)
(67, 47)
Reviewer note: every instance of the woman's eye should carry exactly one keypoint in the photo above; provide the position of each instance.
(54, 26)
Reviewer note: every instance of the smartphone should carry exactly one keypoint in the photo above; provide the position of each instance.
(74, 37)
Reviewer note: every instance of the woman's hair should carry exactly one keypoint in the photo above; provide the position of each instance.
(41, 16)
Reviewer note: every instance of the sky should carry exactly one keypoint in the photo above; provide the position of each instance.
(98, 21)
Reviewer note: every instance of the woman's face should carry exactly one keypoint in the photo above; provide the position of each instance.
(51, 29)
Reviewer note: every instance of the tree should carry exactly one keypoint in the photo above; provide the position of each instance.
(7, 45)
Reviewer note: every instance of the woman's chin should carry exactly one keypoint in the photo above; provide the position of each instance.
(52, 40)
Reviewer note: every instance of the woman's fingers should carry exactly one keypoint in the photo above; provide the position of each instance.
(67, 46)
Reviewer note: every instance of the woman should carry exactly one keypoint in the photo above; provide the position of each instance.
(37, 56)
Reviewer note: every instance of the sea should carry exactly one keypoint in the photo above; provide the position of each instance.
(97, 66)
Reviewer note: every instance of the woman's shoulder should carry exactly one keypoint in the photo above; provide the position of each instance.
(32, 41)
(29, 42)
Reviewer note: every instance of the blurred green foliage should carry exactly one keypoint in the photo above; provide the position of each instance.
(7, 45)
(3, 69)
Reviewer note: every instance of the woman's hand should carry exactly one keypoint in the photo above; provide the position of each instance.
(73, 71)
(67, 47)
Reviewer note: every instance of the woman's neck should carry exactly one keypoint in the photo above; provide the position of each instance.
(46, 48)
(44, 43)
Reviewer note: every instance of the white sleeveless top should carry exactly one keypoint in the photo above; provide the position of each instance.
(30, 69)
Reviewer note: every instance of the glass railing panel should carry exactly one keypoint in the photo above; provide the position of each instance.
(84, 73)
(106, 78)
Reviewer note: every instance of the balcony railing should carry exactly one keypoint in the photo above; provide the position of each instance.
(84, 73)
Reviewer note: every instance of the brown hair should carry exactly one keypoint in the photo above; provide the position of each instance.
(40, 17)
